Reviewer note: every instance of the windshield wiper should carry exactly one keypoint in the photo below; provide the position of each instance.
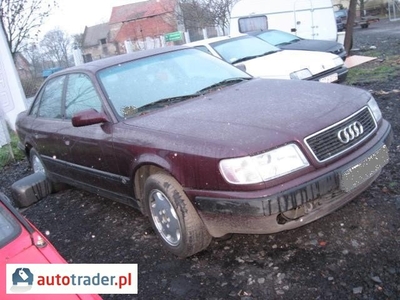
(165, 102)
(171, 100)
(283, 44)
(225, 82)
(288, 43)
(253, 56)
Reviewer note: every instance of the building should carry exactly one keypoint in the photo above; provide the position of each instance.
(97, 44)
(142, 25)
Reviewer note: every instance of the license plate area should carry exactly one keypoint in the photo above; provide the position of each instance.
(361, 172)
(330, 78)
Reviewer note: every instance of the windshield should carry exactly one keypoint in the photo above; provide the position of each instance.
(341, 13)
(278, 38)
(241, 48)
(9, 228)
(178, 75)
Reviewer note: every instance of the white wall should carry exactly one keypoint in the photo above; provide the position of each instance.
(12, 97)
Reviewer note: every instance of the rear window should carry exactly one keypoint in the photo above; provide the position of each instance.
(9, 227)
(255, 23)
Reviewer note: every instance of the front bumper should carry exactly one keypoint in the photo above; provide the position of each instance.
(340, 74)
(299, 205)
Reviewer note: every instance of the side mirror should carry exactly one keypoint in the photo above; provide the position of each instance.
(88, 117)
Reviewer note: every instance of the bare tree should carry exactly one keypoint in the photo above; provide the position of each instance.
(205, 13)
(77, 40)
(55, 45)
(221, 11)
(21, 20)
(32, 53)
(195, 14)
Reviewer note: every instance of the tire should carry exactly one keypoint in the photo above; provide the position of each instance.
(38, 166)
(173, 216)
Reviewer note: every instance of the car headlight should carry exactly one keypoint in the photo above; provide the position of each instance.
(373, 106)
(338, 61)
(301, 74)
(263, 167)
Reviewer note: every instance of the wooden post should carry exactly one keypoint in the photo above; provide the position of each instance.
(348, 39)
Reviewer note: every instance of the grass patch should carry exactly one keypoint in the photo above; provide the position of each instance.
(375, 71)
(5, 155)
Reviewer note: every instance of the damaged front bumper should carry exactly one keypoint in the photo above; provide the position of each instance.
(297, 206)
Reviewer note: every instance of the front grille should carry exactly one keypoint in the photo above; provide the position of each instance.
(325, 144)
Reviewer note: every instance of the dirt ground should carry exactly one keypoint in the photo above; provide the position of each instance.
(353, 253)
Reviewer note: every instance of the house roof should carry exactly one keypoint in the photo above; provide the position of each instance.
(140, 10)
(153, 27)
(94, 34)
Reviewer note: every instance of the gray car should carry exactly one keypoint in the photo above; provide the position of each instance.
(287, 41)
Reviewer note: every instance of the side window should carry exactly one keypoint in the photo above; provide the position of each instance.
(80, 95)
(253, 24)
(50, 99)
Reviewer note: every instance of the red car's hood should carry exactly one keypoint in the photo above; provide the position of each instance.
(260, 113)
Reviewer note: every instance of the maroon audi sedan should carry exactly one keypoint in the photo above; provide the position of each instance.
(202, 148)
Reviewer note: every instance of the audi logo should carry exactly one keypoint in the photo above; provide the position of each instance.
(350, 132)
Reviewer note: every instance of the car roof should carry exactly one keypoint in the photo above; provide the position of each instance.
(100, 64)
(209, 41)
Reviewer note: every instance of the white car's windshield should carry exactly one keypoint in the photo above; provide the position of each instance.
(278, 38)
(242, 48)
(172, 76)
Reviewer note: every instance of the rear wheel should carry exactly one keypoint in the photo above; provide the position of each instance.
(36, 162)
(173, 216)
(38, 166)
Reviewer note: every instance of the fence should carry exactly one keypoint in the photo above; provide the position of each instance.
(394, 10)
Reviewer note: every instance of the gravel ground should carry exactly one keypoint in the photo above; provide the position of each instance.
(350, 254)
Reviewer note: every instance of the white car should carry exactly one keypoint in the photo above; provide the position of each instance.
(262, 59)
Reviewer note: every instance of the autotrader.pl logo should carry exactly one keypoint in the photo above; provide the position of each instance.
(22, 280)
(71, 279)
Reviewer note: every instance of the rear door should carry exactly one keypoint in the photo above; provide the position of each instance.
(46, 124)
(303, 18)
(315, 20)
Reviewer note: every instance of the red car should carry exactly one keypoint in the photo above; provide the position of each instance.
(22, 243)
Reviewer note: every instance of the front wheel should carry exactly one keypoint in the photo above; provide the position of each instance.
(173, 216)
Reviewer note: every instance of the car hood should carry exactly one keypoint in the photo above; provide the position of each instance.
(279, 65)
(254, 115)
(313, 45)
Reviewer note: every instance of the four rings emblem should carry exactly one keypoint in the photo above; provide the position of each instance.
(350, 132)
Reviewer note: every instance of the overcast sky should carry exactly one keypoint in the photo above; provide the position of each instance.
(73, 15)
